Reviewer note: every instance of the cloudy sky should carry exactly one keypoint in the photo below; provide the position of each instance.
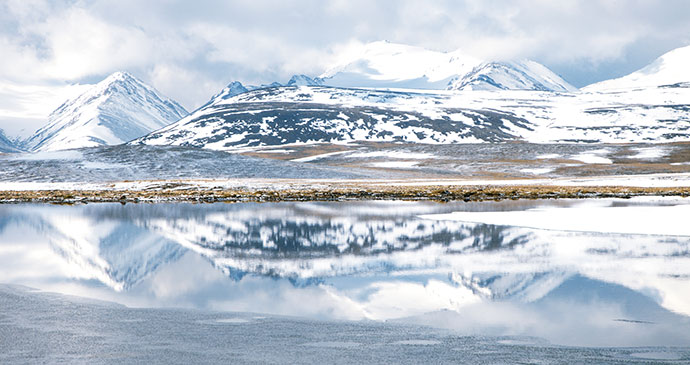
(190, 49)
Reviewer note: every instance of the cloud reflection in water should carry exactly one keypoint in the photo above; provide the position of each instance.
(363, 260)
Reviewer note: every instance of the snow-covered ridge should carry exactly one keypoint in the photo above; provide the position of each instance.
(669, 69)
(517, 75)
(389, 65)
(117, 109)
(384, 64)
(236, 87)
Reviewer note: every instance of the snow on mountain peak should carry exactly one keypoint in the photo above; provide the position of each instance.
(384, 64)
(119, 76)
(515, 75)
(124, 83)
(116, 110)
(669, 69)
(233, 88)
(304, 80)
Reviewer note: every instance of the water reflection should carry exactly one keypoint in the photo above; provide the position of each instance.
(356, 260)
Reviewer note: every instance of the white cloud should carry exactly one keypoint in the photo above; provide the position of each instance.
(81, 44)
(189, 50)
(186, 86)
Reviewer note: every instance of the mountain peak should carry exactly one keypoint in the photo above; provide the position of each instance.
(515, 75)
(304, 80)
(119, 75)
(233, 88)
(121, 78)
(118, 109)
(122, 81)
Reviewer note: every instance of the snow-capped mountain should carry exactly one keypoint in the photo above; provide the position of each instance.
(486, 102)
(671, 69)
(116, 110)
(517, 75)
(389, 65)
(285, 115)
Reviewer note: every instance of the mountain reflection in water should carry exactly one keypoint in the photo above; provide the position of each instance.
(363, 260)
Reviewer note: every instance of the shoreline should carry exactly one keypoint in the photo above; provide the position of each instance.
(333, 191)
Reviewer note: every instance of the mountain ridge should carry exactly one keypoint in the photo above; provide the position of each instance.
(486, 104)
(386, 65)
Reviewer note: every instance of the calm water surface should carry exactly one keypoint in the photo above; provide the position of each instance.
(601, 273)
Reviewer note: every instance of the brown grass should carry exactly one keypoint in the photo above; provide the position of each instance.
(334, 193)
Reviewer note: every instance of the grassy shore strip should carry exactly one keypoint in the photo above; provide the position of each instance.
(435, 193)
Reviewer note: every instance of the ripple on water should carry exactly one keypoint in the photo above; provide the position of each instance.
(418, 342)
(235, 320)
(334, 344)
(658, 355)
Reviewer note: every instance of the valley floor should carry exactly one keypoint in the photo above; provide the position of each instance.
(353, 171)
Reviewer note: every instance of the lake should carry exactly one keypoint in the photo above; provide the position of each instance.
(595, 280)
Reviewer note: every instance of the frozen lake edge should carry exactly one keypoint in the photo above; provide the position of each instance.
(39, 326)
